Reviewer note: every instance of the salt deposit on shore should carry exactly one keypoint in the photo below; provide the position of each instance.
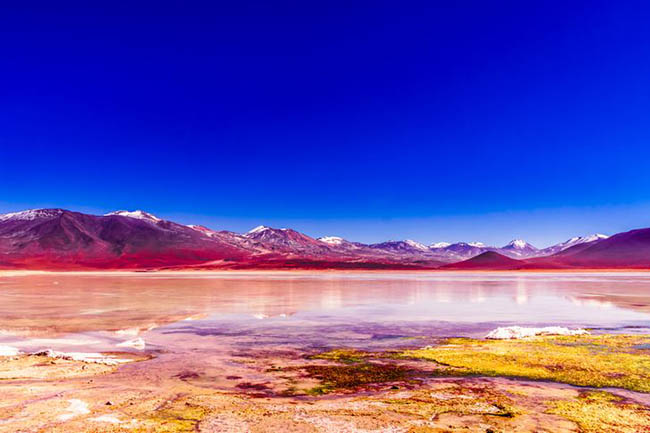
(77, 407)
(8, 351)
(111, 419)
(516, 332)
(137, 343)
(131, 332)
(96, 358)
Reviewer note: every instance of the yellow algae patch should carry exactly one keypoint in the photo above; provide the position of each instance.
(177, 417)
(346, 356)
(620, 361)
(602, 412)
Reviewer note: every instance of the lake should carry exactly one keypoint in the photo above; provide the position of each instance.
(248, 351)
(97, 311)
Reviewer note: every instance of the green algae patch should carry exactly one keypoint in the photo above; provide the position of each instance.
(596, 361)
(347, 377)
(602, 412)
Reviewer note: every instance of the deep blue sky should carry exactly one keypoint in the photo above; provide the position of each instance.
(482, 121)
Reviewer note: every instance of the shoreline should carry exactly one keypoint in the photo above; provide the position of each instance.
(289, 272)
(466, 384)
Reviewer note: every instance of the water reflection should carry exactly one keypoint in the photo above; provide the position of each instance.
(59, 304)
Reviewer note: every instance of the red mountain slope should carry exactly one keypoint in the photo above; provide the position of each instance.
(489, 260)
(624, 250)
(61, 239)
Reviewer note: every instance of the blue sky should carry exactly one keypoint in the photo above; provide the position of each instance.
(434, 122)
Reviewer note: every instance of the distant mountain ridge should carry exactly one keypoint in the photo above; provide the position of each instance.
(62, 239)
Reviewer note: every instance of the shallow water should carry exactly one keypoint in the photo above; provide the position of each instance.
(189, 312)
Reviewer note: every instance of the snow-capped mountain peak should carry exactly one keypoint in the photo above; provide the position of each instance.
(31, 214)
(577, 240)
(520, 248)
(136, 214)
(476, 244)
(518, 243)
(415, 244)
(331, 240)
(594, 237)
(440, 245)
(258, 229)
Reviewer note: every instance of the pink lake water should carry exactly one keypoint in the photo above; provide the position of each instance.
(181, 313)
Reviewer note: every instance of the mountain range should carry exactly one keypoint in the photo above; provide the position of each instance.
(58, 239)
